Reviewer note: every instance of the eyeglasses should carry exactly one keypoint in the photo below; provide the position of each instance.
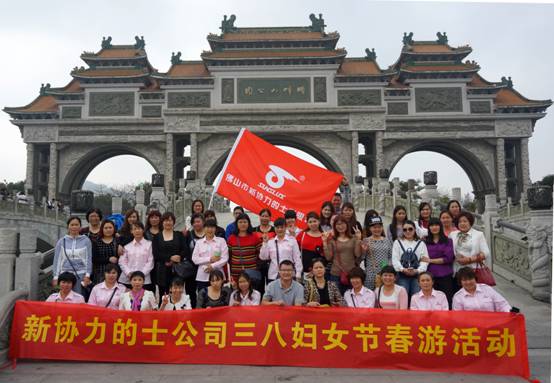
(286, 270)
(407, 229)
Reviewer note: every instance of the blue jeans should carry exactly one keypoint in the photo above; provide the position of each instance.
(409, 283)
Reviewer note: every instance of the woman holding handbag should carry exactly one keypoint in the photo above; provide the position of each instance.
(471, 249)
(169, 249)
(73, 253)
(343, 250)
(377, 252)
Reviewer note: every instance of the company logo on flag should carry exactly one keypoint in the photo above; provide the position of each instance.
(259, 175)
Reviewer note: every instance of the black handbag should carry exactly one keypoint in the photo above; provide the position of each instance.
(184, 269)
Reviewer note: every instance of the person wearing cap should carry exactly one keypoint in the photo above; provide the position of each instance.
(66, 281)
(280, 248)
(377, 251)
(290, 219)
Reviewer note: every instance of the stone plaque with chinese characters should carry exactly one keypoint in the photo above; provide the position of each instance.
(273, 90)
(112, 104)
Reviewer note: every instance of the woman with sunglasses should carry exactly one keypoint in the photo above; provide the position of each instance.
(407, 254)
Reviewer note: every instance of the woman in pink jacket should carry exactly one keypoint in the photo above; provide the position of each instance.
(137, 256)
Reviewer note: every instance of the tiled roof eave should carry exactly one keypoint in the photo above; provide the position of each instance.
(139, 76)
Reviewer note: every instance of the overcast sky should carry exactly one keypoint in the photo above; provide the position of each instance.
(42, 41)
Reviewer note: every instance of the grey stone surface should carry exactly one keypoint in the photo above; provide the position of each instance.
(353, 97)
(71, 112)
(480, 107)
(397, 108)
(188, 99)
(227, 91)
(111, 104)
(320, 89)
(438, 100)
(151, 111)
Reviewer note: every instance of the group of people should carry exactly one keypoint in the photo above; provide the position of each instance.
(426, 264)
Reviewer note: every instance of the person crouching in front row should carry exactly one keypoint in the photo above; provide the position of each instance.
(284, 291)
(176, 299)
(138, 299)
(66, 281)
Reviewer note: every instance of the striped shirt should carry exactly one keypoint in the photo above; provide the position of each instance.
(245, 255)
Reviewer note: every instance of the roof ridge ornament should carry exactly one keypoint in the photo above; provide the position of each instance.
(370, 54)
(175, 58)
(408, 38)
(442, 38)
(228, 25)
(507, 82)
(44, 88)
(106, 42)
(139, 42)
(318, 24)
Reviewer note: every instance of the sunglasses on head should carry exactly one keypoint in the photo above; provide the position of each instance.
(407, 229)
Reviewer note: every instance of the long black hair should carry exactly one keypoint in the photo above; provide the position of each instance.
(367, 219)
(421, 207)
(394, 222)
(442, 237)
(323, 220)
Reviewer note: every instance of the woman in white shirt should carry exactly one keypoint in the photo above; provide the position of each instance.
(209, 253)
(176, 300)
(358, 296)
(470, 245)
(406, 258)
(389, 295)
(138, 299)
(282, 247)
(245, 295)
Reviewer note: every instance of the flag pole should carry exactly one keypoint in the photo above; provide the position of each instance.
(225, 166)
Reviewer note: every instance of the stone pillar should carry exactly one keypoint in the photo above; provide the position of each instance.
(539, 234)
(395, 190)
(169, 163)
(355, 159)
(457, 194)
(30, 169)
(158, 198)
(27, 265)
(53, 172)
(194, 154)
(501, 171)
(140, 207)
(525, 175)
(8, 248)
(379, 157)
(430, 193)
(117, 205)
(490, 216)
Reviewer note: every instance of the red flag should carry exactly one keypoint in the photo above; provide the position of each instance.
(259, 175)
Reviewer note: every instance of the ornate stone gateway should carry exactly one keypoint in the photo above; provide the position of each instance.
(292, 86)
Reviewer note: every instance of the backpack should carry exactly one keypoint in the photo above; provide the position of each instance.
(409, 256)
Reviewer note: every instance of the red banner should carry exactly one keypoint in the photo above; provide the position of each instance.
(476, 342)
(258, 175)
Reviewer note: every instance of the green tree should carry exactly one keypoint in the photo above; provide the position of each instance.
(547, 180)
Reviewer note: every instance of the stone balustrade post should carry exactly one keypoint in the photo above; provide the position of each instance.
(8, 249)
(457, 194)
(27, 265)
(490, 216)
(539, 234)
(140, 207)
(117, 205)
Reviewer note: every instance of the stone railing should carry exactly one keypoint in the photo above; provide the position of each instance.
(511, 258)
(7, 305)
(32, 210)
(511, 210)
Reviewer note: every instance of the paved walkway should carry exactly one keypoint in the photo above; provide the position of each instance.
(538, 332)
